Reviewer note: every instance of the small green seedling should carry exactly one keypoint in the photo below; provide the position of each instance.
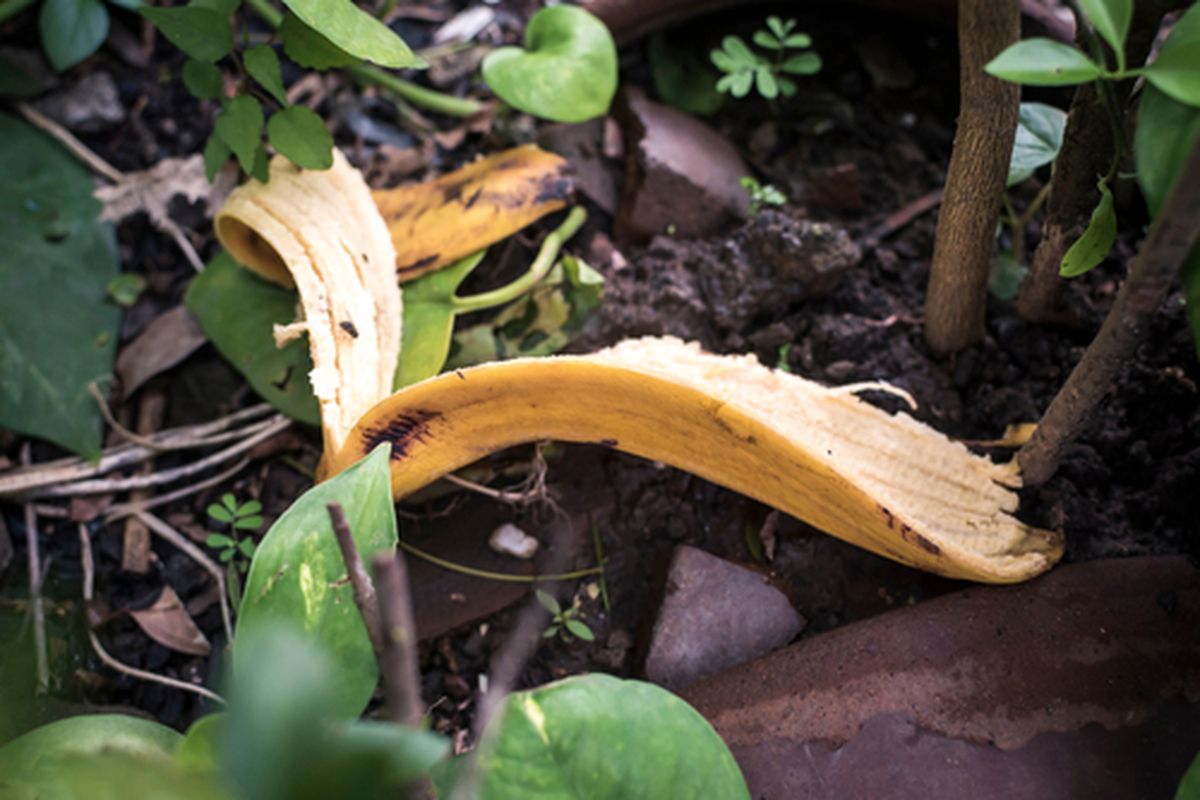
(233, 551)
(744, 68)
(761, 195)
(563, 621)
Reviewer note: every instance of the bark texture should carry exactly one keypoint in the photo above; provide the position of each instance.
(966, 231)
(1151, 274)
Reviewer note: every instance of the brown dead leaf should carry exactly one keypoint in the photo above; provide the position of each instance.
(435, 223)
(168, 623)
(151, 190)
(166, 341)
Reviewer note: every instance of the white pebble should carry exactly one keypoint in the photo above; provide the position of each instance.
(510, 540)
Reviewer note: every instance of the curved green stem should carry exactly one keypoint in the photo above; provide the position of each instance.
(547, 255)
(497, 576)
(418, 95)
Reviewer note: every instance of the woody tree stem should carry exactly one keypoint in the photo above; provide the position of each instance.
(966, 232)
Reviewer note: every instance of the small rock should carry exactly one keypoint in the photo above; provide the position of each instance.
(680, 174)
(715, 614)
(510, 540)
(90, 105)
(814, 255)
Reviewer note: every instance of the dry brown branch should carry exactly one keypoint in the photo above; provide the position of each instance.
(401, 672)
(121, 510)
(89, 571)
(360, 581)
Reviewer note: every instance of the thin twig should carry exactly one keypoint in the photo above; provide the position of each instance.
(360, 581)
(506, 577)
(401, 673)
(107, 485)
(900, 218)
(185, 544)
(121, 510)
(68, 140)
(89, 570)
(37, 609)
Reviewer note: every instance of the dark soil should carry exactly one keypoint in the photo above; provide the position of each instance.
(848, 152)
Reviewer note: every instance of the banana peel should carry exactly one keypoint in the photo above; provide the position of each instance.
(440, 221)
(889, 484)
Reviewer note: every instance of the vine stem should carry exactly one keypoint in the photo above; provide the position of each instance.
(431, 99)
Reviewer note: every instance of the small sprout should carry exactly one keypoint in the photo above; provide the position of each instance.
(234, 552)
(745, 69)
(760, 195)
(563, 621)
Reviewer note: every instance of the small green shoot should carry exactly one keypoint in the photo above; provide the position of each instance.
(761, 195)
(233, 551)
(745, 68)
(564, 621)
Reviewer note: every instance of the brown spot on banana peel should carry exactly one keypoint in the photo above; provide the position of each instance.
(401, 431)
(667, 401)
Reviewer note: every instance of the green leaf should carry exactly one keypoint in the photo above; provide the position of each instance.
(429, 311)
(560, 738)
(218, 541)
(250, 507)
(237, 310)
(129, 5)
(739, 84)
(71, 30)
(299, 134)
(787, 86)
(88, 734)
(248, 523)
(297, 575)
(355, 31)
(263, 65)
(309, 48)
(202, 33)
(55, 252)
(739, 52)
(229, 501)
(247, 546)
(798, 41)
(216, 153)
(1110, 18)
(198, 748)
(580, 630)
(567, 71)
(126, 288)
(1189, 787)
(262, 164)
(220, 513)
(370, 760)
(1097, 240)
(222, 7)
(1043, 62)
(203, 79)
(766, 40)
(724, 61)
(1005, 276)
(550, 632)
(681, 78)
(767, 86)
(802, 64)
(1176, 71)
(1165, 132)
(548, 601)
(1039, 138)
(240, 126)
(778, 27)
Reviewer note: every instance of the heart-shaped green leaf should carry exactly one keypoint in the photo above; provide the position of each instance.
(237, 310)
(602, 738)
(302, 137)
(567, 71)
(72, 30)
(298, 576)
(1039, 138)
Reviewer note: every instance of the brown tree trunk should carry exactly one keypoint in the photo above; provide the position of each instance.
(1151, 274)
(1087, 152)
(966, 231)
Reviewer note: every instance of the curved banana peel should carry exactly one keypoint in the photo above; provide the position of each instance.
(320, 230)
(887, 483)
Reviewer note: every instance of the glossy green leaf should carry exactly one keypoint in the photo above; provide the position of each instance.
(1043, 62)
(198, 748)
(1097, 240)
(85, 735)
(1111, 19)
(1176, 71)
(567, 71)
(71, 30)
(681, 78)
(370, 760)
(1165, 132)
(767, 87)
(222, 7)
(602, 738)
(355, 31)
(202, 33)
(237, 310)
(57, 257)
(240, 126)
(802, 64)
(1039, 138)
(263, 65)
(216, 153)
(430, 305)
(767, 41)
(309, 48)
(580, 630)
(203, 79)
(302, 137)
(298, 577)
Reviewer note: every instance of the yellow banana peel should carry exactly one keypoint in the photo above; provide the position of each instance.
(887, 483)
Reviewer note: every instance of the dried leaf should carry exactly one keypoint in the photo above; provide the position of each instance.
(168, 623)
(151, 190)
(166, 341)
(438, 222)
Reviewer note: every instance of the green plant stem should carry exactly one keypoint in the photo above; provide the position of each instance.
(418, 95)
(497, 576)
(10, 8)
(547, 255)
